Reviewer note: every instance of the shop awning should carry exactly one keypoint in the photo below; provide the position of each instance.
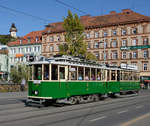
(19, 55)
(146, 80)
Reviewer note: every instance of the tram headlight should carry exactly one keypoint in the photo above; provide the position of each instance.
(36, 92)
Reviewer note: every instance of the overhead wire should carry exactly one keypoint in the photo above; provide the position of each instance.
(26, 14)
(70, 6)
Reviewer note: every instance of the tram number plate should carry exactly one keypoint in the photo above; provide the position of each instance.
(36, 81)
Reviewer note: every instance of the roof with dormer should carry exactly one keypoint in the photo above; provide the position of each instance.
(127, 16)
(34, 36)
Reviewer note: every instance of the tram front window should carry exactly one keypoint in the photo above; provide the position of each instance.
(38, 72)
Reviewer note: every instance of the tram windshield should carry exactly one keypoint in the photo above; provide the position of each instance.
(38, 72)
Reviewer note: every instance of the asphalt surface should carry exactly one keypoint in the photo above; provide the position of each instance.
(121, 111)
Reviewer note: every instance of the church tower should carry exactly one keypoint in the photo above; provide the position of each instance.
(13, 30)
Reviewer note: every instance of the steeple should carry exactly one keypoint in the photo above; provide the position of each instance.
(13, 30)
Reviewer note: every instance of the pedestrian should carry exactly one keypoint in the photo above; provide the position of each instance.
(23, 82)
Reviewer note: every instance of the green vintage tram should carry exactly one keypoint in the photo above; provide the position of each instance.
(75, 80)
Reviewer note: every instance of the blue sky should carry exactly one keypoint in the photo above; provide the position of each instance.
(52, 11)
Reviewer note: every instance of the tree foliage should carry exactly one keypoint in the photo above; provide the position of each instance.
(4, 39)
(19, 72)
(74, 38)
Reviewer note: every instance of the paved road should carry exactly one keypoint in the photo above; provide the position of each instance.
(125, 111)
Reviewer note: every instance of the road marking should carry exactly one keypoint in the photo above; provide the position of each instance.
(135, 120)
(122, 111)
(98, 118)
(138, 107)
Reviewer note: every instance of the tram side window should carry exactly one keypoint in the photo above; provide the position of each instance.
(108, 75)
(87, 73)
(118, 75)
(103, 74)
(54, 72)
(113, 75)
(130, 75)
(126, 76)
(93, 76)
(62, 72)
(73, 73)
(99, 74)
(38, 72)
(135, 76)
(46, 72)
(80, 73)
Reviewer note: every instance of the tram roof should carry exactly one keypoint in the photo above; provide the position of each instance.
(77, 61)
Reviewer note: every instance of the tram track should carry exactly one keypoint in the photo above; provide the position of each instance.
(83, 107)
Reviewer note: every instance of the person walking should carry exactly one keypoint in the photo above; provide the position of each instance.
(23, 83)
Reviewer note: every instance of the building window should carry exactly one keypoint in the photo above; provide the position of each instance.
(145, 66)
(57, 47)
(145, 53)
(26, 49)
(96, 34)
(97, 55)
(20, 41)
(30, 49)
(96, 45)
(22, 50)
(124, 55)
(114, 55)
(105, 34)
(124, 32)
(19, 50)
(51, 48)
(134, 55)
(114, 44)
(37, 39)
(145, 41)
(87, 35)
(134, 30)
(38, 48)
(114, 32)
(29, 39)
(51, 38)
(124, 42)
(134, 43)
(58, 38)
(14, 50)
(89, 45)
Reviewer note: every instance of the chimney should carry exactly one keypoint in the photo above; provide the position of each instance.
(112, 12)
(126, 11)
(85, 17)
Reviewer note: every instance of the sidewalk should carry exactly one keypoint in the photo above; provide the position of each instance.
(13, 95)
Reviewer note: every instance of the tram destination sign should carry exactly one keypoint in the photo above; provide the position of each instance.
(130, 67)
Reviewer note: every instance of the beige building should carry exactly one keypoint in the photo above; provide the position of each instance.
(122, 37)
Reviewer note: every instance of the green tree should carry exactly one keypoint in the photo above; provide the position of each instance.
(19, 72)
(74, 38)
(4, 39)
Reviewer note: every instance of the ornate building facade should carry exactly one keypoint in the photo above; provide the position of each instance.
(116, 37)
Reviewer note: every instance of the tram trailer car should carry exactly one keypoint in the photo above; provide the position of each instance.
(73, 80)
